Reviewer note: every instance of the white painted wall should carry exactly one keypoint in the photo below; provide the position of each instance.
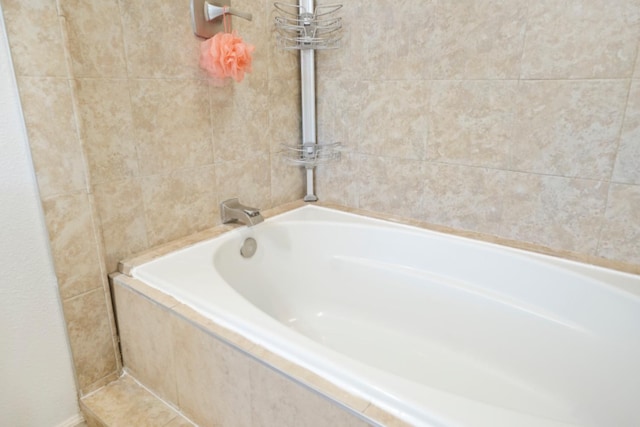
(36, 377)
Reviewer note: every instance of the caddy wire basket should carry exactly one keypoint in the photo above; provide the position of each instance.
(311, 155)
(299, 29)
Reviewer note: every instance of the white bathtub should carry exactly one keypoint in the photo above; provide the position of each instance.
(436, 329)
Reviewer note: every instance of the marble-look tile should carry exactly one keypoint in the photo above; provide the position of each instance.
(159, 40)
(568, 128)
(463, 197)
(121, 209)
(389, 40)
(240, 120)
(125, 403)
(393, 119)
(35, 38)
(51, 127)
(391, 185)
(248, 179)
(348, 60)
(474, 39)
(279, 401)
(95, 39)
(284, 114)
(557, 212)
(146, 342)
(90, 337)
(472, 122)
(106, 127)
(339, 107)
(179, 203)
(73, 244)
(213, 379)
(620, 235)
(579, 39)
(627, 168)
(172, 124)
(287, 181)
(337, 181)
(255, 32)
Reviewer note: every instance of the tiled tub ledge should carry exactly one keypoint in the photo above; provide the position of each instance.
(216, 377)
(124, 403)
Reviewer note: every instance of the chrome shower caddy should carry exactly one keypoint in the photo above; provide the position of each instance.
(306, 28)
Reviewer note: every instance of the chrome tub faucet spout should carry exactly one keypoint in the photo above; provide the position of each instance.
(232, 211)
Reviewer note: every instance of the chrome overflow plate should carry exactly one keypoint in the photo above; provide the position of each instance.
(249, 247)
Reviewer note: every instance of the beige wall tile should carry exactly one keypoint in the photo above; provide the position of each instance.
(179, 204)
(278, 401)
(339, 105)
(107, 130)
(121, 209)
(146, 341)
(393, 119)
(620, 236)
(568, 128)
(463, 197)
(561, 213)
(249, 180)
(283, 64)
(74, 245)
(90, 336)
(472, 122)
(337, 181)
(35, 38)
(284, 114)
(627, 168)
(240, 117)
(159, 40)
(213, 379)
(255, 32)
(580, 39)
(287, 181)
(126, 403)
(391, 185)
(53, 138)
(172, 124)
(95, 47)
(475, 39)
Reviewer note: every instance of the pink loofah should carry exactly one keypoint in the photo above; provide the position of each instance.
(226, 55)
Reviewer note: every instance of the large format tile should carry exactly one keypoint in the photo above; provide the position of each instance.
(159, 40)
(53, 139)
(90, 337)
(248, 179)
(125, 403)
(95, 41)
(172, 124)
(213, 381)
(568, 128)
(73, 242)
(463, 197)
(35, 38)
(620, 236)
(581, 39)
(121, 209)
(146, 342)
(627, 168)
(472, 122)
(107, 129)
(179, 203)
(391, 185)
(557, 212)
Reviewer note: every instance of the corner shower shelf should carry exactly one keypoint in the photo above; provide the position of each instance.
(311, 155)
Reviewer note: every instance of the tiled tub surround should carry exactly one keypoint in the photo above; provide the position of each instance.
(214, 375)
(432, 101)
